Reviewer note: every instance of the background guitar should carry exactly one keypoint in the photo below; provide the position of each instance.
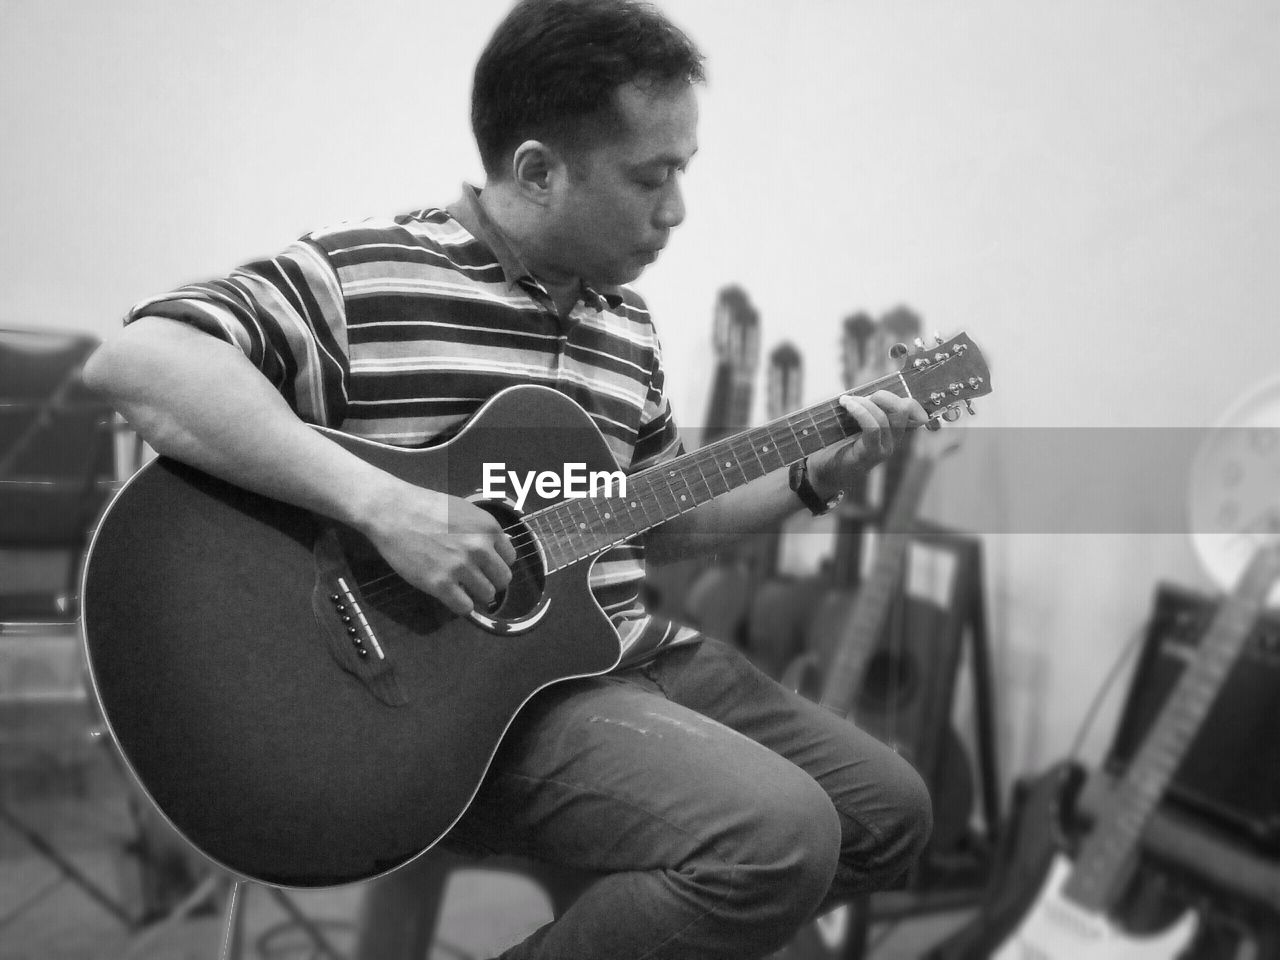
(709, 595)
(1070, 917)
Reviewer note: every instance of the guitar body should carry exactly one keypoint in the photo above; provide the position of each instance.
(1057, 929)
(239, 699)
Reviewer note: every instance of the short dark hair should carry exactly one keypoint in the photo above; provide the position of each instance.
(552, 66)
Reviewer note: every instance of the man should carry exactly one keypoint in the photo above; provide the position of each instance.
(722, 810)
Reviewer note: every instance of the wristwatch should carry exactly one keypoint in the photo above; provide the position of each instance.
(799, 479)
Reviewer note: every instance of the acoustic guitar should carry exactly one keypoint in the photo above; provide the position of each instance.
(305, 717)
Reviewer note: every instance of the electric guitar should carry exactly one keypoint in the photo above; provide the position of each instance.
(305, 717)
(1069, 919)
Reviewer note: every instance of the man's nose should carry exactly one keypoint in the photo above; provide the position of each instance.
(670, 212)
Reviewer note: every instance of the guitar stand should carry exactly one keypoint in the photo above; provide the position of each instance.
(969, 618)
(64, 866)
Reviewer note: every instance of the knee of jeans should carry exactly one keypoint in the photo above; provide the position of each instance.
(908, 823)
(786, 867)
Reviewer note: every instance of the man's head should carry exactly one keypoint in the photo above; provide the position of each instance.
(585, 114)
(551, 68)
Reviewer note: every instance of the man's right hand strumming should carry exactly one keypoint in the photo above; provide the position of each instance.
(443, 545)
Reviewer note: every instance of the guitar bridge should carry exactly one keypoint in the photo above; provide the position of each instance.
(341, 614)
(347, 607)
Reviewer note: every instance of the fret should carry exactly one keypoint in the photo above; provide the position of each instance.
(756, 464)
(813, 434)
(763, 446)
(749, 461)
(557, 536)
(609, 526)
(598, 524)
(710, 494)
(637, 501)
(537, 529)
(688, 500)
(553, 543)
(780, 440)
(718, 462)
(729, 465)
(576, 518)
(665, 496)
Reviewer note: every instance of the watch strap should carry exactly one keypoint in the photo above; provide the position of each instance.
(803, 488)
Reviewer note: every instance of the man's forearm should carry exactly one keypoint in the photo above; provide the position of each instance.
(199, 400)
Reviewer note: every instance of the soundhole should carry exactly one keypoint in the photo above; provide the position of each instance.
(524, 594)
(891, 678)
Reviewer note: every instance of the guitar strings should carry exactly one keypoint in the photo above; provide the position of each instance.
(395, 586)
(524, 541)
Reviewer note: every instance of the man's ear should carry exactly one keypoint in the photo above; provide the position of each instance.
(536, 168)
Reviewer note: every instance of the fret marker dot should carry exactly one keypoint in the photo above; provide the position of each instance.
(606, 516)
(726, 463)
(582, 526)
(805, 432)
(633, 503)
(765, 448)
(683, 498)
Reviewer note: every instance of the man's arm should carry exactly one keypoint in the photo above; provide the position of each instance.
(765, 503)
(199, 400)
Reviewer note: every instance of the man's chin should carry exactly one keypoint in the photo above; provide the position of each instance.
(626, 274)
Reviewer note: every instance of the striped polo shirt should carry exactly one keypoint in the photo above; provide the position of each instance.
(399, 330)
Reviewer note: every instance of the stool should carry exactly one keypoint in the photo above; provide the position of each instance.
(401, 910)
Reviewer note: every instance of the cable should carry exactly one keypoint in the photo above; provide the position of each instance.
(1098, 698)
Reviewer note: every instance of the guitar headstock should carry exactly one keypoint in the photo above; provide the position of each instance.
(736, 331)
(945, 375)
(784, 383)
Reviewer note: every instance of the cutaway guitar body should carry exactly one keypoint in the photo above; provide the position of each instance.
(240, 699)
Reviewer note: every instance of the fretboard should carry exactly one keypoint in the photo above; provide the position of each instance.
(573, 530)
(1106, 858)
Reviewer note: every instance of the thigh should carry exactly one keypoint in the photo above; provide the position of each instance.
(882, 802)
(608, 774)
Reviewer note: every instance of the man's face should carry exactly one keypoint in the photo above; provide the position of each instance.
(616, 210)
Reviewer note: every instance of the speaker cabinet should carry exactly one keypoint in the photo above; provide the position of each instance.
(1231, 773)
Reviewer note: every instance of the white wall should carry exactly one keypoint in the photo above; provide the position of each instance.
(1088, 188)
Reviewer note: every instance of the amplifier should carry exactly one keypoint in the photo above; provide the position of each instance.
(1231, 772)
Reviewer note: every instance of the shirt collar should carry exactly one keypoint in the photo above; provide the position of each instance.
(473, 217)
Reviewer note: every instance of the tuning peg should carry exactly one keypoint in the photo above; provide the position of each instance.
(898, 351)
(937, 338)
(919, 343)
(952, 413)
(968, 405)
(933, 425)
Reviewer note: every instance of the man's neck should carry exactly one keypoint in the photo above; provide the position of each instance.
(512, 215)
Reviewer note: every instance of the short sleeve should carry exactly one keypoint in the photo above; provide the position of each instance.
(286, 315)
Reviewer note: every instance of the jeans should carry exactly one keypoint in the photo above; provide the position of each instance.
(722, 809)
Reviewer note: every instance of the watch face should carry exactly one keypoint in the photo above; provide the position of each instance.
(1235, 487)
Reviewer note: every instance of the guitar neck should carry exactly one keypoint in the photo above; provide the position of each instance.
(1104, 862)
(877, 592)
(573, 530)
